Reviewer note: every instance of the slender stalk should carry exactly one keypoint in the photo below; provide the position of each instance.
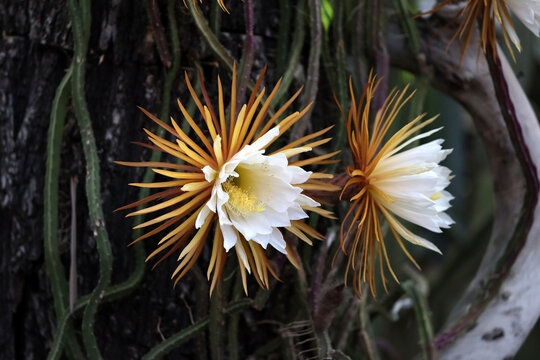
(73, 245)
(154, 18)
(248, 53)
(366, 332)
(232, 331)
(219, 51)
(55, 269)
(215, 16)
(188, 333)
(335, 72)
(80, 16)
(312, 80)
(422, 312)
(283, 35)
(293, 55)
(216, 325)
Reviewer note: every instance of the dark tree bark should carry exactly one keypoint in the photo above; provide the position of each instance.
(123, 71)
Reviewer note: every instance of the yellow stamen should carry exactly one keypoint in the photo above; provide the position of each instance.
(241, 201)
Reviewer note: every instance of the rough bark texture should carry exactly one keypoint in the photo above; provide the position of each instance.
(123, 71)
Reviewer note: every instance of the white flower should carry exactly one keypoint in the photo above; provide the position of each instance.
(389, 182)
(414, 182)
(253, 194)
(227, 189)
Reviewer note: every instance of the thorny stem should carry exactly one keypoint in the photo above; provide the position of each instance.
(119, 290)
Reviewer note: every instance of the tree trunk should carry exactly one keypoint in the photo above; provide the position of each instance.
(123, 71)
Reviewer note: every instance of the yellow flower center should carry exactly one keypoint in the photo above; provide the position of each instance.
(241, 201)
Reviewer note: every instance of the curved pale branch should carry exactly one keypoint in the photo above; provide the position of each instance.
(499, 308)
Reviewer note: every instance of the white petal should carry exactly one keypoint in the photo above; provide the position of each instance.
(296, 212)
(528, 11)
(252, 226)
(413, 184)
(304, 200)
(262, 141)
(275, 239)
(230, 237)
(264, 195)
(205, 211)
(209, 173)
(409, 236)
(241, 252)
(413, 139)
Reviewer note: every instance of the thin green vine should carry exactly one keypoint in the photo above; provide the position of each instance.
(293, 55)
(178, 339)
(312, 78)
(219, 51)
(55, 269)
(80, 18)
(423, 319)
